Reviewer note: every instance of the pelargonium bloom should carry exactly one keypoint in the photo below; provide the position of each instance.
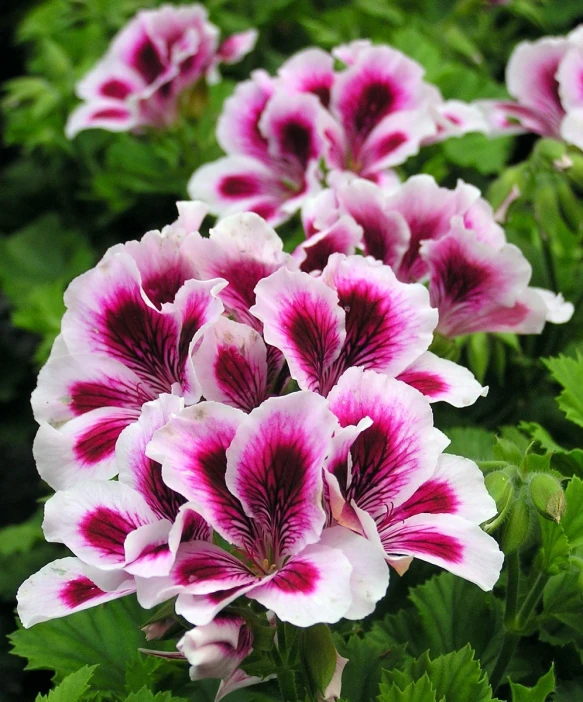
(389, 480)
(257, 479)
(544, 78)
(150, 62)
(279, 131)
(127, 336)
(450, 239)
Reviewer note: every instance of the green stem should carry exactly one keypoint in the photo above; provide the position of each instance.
(511, 636)
(532, 599)
(287, 685)
(515, 620)
(549, 261)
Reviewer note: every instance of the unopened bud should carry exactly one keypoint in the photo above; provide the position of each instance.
(157, 630)
(517, 527)
(500, 487)
(547, 496)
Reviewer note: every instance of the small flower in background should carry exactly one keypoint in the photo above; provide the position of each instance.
(544, 78)
(283, 133)
(152, 60)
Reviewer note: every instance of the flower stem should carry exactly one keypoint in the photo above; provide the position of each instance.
(515, 619)
(287, 685)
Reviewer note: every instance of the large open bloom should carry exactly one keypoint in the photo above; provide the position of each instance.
(126, 337)
(257, 479)
(544, 78)
(429, 234)
(281, 134)
(150, 62)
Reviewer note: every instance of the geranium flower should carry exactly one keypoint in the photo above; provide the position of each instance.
(150, 62)
(282, 134)
(117, 529)
(127, 336)
(257, 480)
(544, 77)
(388, 479)
(448, 238)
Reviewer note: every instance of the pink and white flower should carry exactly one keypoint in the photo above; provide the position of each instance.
(150, 62)
(544, 78)
(390, 481)
(216, 650)
(448, 238)
(128, 334)
(257, 480)
(283, 133)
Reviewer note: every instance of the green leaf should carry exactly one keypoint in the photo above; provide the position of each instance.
(555, 547)
(572, 521)
(20, 538)
(471, 442)
(538, 693)
(108, 635)
(146, 695)
(418, 691)
(72, 688)
(568, 372)
(487, 156)
(454, 612)
(479, 352)
(318, 656)
(455, 676)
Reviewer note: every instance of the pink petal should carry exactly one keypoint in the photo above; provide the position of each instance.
(238, 126)
(243, 249)
(442, 380)
(112, 115)
(558, 310)
(61, 588)
(147, 551)
(301, 317)
(388, 323)
(308, 71)
(313, 587)
(235, 47)
(200, 568)
(394, 139)
(231, 364)
(572, 127)
(381, 81)
(476, 288)
(370, 575)
(142, 473)
(238, 680)
(191, 449)
(456, 487)
(385, 233)
(93, 519)
(274, 466)
(342, 237)
(455, 118)
(395, 455)
(82, 449)
(531, 77)
(569, 75)
(448, 541)
(427, 210)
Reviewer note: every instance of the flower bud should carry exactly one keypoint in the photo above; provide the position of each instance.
(517, 527)
(501, 489)
(550, 149)
(547, 496)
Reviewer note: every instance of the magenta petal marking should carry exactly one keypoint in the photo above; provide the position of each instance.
(275, 466)
(428, 384)
(297, 576)
(78, 591)
(105, 530)
(98, 441)
(422, 541)
(435, 496)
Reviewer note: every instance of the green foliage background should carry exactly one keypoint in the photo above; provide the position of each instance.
(63, 203)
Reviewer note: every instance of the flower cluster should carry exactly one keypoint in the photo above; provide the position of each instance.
(282, 133)
(544, 77)
(449, 238)
(271, 434)
(150, 62)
